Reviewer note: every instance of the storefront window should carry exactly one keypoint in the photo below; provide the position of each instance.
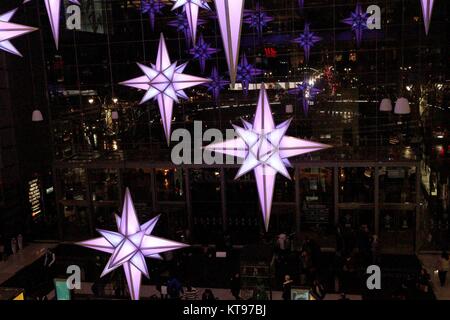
(74, 184)
(75, 223)
(398, 185)
(104, 185)
(170, 184)
(356, 185)
(397, 228)
(206, 205)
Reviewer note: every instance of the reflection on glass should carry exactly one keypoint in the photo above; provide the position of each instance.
(356, 185)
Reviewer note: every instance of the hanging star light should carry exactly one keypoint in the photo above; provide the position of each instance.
(307, 40)
(202, 51)
(306, 92)
(246, 73)
(257, 19)
(230, 14)
(181, 23)
(152, 8)
(53, 8)
(191, 8)
(264, 148)
(164, 82)
(427, 10)
(9, 31)
(216, 84)
(358, 21)
(131, 245)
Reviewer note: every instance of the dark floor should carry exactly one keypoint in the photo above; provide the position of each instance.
(201, 268)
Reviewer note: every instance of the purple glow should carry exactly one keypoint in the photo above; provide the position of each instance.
(301, 4)
(131, 245)
(358, 21)
(216, 84)
(182, 24)
(152, 8)
(9, 31)
(246, 72)
(164, 82)
(306, 93)
(191, 8)
(230, 14)
(202, 51)
(265, 149)
(427, 10)
(257, 19)
(53, 8)
(307, 40)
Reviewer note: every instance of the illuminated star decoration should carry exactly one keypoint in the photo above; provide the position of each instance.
(307, 40)
(182, 25)
(216, 84)
(306, 92)
(358, 21)
(191, 8)
(53, 8)
(230, 15)
(152, 8)
(246, 73)
(9, 31)
(427, 10)
(202, 51)
(131, 245)
(257, 19)
(164, 82)
(265, 149)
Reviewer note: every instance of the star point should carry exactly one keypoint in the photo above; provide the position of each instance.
(9, 31)
(53, 8)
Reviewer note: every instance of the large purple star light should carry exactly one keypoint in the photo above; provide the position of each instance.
(152, 8)
(181, 23)
(427, 10)
(358, 21)
(9, 31)
(191, 8)
(202, 51)
(307, 40)
(265, 149)
(306, 92)
(164, 82)
(131, 245)
(53, 8)
(257, 19)
(230, 14)
(216, 84)
(246, 73)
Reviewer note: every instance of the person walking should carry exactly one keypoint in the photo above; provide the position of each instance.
(236, 286)
(443, 268)
(287, 286)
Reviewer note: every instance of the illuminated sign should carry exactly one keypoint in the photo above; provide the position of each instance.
(61, 290)
(270, 52)
(34, 197)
